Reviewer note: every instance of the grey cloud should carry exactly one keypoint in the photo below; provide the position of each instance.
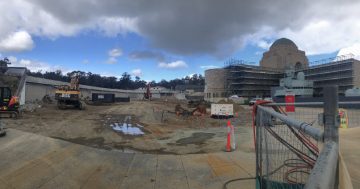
(199, 26)
(139, 55)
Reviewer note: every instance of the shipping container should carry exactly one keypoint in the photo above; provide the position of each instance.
(103, 97)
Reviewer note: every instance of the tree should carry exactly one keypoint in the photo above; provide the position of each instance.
(124, 82)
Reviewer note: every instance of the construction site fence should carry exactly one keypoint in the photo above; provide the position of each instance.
(300, 149)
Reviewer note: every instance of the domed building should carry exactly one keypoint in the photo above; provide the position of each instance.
(248, 80)
(284, 54)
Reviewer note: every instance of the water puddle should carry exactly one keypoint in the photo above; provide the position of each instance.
(127, 128)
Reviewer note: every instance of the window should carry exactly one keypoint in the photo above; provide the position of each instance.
(298, 66)
(6, 93)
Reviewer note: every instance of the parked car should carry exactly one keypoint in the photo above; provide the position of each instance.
(253, 101)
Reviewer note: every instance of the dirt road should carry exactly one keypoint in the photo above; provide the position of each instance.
(164, 131)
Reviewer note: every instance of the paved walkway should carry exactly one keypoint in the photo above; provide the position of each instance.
(350, 150)
(33, 161)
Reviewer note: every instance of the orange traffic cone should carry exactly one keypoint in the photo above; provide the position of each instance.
(228, 141)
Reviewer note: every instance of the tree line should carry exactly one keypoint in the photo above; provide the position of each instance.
(126, 81)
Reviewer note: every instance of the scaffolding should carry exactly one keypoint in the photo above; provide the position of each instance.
(250, 80)
(247, 79)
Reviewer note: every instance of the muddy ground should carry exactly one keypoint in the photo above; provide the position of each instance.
(161, 130)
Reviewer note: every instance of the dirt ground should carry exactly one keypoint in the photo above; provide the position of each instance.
(164, 131)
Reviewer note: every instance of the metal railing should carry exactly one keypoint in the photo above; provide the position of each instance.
(297, 154)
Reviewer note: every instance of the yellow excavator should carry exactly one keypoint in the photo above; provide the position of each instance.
(69, 96)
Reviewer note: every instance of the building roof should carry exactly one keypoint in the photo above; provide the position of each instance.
(283, 42)
(43, 81)
(16, 71)
(20, 73)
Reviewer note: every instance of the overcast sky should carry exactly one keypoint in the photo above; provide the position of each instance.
(168, 38)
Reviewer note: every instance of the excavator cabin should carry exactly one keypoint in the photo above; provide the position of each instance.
(8, 103)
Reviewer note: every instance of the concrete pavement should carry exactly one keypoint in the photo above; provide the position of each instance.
(32, 161)
(350, 150)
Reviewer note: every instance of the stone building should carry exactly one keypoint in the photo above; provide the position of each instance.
(251, 81)
(284, 54)
(343, 72)
(244, 80)
(215, 84)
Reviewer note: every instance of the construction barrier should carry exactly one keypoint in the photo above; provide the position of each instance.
(290, 98)
(344, 120)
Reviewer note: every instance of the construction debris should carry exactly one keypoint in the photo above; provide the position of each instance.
(182, 111)
(200, 109)
(47, 100)
(151, 126)
(31, 107)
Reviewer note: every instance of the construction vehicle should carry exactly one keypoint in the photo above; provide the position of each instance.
(69, 96)
(147, 94)
(9, 104)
